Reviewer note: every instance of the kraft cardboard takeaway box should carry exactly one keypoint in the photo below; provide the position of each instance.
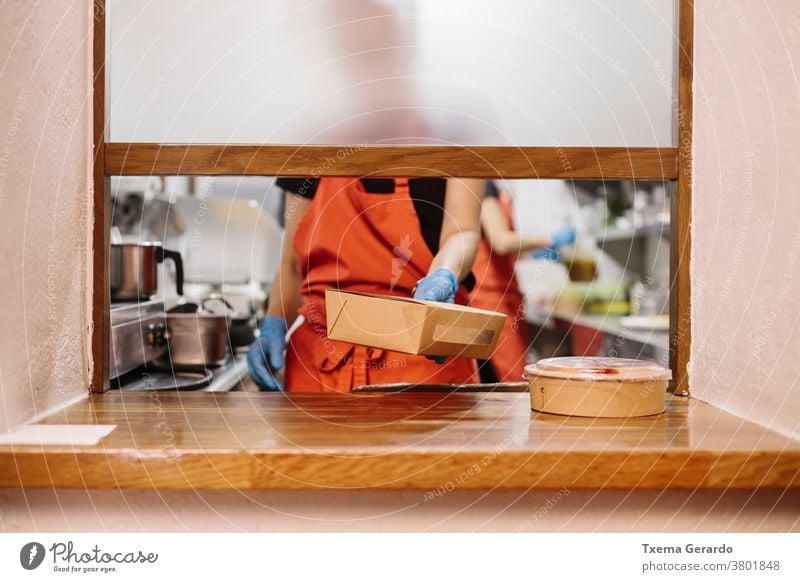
(411, 326)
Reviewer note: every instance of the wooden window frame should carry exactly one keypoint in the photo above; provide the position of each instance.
(603, 163)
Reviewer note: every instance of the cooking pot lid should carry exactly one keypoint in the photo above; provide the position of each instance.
(593, 368)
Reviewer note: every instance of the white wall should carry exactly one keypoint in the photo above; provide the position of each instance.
(746, 211)
(45, 205)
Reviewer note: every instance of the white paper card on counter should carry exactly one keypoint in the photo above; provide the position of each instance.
(57, 434)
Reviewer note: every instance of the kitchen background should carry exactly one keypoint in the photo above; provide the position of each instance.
(228, 231)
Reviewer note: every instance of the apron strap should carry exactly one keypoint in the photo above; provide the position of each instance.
(352, 365)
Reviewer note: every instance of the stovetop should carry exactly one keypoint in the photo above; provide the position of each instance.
(123, 312)
(136, 366)
(159, 376)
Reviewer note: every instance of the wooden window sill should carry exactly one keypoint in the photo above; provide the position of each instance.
(402, 441)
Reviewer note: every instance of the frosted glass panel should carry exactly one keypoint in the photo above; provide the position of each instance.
(491, 72)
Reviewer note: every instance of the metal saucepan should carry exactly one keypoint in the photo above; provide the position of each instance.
(196, 338)
(134, 270)
(242, 326)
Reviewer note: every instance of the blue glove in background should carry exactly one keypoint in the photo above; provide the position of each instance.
(547, 253)
(565, 236)
(265, 355)
(441, 286)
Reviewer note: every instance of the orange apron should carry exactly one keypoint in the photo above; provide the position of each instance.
(354, 240)
(497, 290)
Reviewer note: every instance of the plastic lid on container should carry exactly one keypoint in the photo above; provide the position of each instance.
(591, 368)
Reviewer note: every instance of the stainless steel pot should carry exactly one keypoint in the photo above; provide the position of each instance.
(242, 326)
(197, 339)
(134, 270)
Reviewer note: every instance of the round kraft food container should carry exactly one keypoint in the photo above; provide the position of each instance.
(597, 387)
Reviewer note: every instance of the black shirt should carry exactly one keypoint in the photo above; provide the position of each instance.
(427, 195)
(491, 190)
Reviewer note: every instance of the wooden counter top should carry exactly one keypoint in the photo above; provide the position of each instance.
(438, 442)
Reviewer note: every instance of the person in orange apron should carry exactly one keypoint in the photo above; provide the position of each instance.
(370, 236)
(497, 288)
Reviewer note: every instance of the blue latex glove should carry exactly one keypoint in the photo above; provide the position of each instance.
(265, 355)
(441, 286)
(565, 236)
(546, 253)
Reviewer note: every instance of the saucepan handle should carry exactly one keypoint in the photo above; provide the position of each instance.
(175, 257)
(221, 299)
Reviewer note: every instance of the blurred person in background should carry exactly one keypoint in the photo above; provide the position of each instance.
(496, 287)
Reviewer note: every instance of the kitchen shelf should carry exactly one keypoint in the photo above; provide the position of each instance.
(614, 234)
(250, 441)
